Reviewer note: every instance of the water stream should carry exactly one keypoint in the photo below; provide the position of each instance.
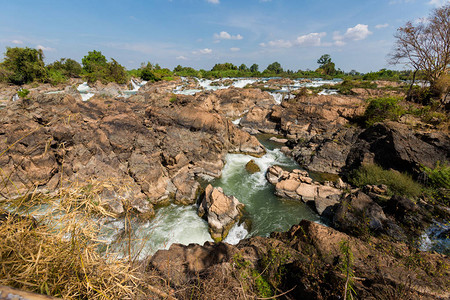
(180, 224)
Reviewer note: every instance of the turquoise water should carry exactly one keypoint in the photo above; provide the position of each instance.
(180, 224)
(267, 212)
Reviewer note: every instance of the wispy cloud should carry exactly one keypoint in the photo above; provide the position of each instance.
(234, 49)
(223, 35)
(379, 26)
(181, 57)
(438, 3)
(277, 44)
(17, 42)
(400, 1)
(311, 39)
(43, 48)
(213, 1)
(203, 51)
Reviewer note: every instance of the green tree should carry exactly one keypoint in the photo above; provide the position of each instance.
(117, 72)
(96, 67)
(67, 67)
(224, 67)
(324, 59)
(24, 65)
(326, 65)
(94, 61)
(274, 68)
(254, 68)
(243, 68)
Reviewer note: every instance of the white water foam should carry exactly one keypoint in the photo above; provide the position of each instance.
(236, 233)
(328, 92)
(83, 88)
(84, 91)
(172, 224)
(86, 96)
(241, 83)
(278, 97)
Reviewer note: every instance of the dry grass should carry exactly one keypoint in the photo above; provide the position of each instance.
(59, 256)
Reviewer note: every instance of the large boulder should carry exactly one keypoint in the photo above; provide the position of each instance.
(221, 211)
(359, 215)
(306, 262)
(298, 185)
(394, 145)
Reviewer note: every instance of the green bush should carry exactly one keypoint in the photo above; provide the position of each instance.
(23, 93)
(398, 183)
(55, 77)
(95, 67)
(67, 67)
(380, 109)
(24, 65)
(437, 181)
(439, 177)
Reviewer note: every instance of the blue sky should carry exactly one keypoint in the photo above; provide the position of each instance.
(199, 33)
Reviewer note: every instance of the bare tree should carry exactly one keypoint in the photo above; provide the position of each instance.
(425, 47)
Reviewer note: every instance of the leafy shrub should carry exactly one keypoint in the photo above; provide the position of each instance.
(438, 182)
(24, 65)
(56, 77)
(23, 93)
(380, 109)
(398, 183)
(439, 177)
(67, 67)
(96, 67)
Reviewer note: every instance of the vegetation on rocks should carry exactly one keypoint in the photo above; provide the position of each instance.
(397, 183)
(23, 65)
(380, 109)
(95, 67)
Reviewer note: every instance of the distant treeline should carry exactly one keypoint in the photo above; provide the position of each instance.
(26, 65)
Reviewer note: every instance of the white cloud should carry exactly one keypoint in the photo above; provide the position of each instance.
(312, 39)
(438, 3)
(392, 2)
(379, 26)
(357, 33)
(279, 44)
(43, 48)
(17, 42)
(213, 1)
(234, 49)
(223, 35)
(181, 57)
(203, 51)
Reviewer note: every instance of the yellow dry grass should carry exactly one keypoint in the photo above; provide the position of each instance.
(59, 255)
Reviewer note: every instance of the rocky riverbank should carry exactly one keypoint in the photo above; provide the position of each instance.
(155, 148)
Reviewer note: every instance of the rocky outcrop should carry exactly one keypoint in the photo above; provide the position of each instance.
(182, 264)
(393, 145)
(144, 149)
(358, 212)
(311, 258)
(251, 167)
(299, 186)
(233, 102)
(221, 212)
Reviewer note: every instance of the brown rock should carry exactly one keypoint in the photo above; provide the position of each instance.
(252, 167)
(221, 211)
